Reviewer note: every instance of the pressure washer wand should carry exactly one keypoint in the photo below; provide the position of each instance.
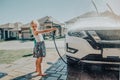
(57, 48)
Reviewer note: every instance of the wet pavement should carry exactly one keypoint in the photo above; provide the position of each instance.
(60, 71)
(91, 74)
(57, 71)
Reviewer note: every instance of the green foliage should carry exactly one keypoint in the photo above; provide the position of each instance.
(8, 56)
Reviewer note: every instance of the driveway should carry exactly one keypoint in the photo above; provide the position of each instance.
(15, 45)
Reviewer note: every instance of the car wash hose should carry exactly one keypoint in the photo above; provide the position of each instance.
(57, 48)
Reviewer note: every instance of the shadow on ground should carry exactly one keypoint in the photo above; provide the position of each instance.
(2, 74)
(25, 77)
(27, 55)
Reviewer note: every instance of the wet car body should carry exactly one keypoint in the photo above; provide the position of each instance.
(94, 40)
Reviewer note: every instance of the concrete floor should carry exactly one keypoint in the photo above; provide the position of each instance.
(56, 69)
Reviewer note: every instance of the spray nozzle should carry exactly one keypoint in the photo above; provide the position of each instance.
(54, 32)
(53, 35)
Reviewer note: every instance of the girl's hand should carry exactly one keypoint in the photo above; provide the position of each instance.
(54, 28)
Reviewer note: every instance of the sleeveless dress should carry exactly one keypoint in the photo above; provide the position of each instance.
(39, 47)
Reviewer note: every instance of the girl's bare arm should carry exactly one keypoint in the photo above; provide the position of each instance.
(46, 31)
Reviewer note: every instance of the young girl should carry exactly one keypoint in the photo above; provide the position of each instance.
(39, 48)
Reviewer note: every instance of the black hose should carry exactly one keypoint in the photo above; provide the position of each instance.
(57, 48)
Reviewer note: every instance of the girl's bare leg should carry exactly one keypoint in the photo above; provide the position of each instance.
(36, 63)
(38, 66)
(39, 61)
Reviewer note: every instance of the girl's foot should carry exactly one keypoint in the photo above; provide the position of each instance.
(41, 74)
(36, 71)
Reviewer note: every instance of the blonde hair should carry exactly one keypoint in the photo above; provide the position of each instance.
(35, 22)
